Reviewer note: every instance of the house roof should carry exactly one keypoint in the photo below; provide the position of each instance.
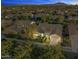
(50, 28)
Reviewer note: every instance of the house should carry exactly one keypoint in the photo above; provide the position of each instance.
(51, 31)
(52, 39)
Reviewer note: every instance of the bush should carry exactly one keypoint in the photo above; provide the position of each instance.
(5, 47)
(47, 52)
(21, 51)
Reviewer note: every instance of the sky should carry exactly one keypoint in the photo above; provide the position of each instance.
(7, 2)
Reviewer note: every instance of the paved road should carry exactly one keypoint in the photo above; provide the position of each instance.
(19, 40)
(68, 49)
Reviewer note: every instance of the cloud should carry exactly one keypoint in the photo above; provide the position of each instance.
(71, 1)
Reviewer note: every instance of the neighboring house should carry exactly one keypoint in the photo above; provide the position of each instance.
(73, 36)
(72, 18)
(17, 27)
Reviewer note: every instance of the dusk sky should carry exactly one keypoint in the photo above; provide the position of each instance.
(6, 2)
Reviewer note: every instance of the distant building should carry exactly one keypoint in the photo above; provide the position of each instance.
(33, 16)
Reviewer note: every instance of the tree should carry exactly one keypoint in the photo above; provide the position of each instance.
(5, 47)
(43, 39)
(30, 30)
(46, 18)
(60, 19)
(21, 51)
(47, 52)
